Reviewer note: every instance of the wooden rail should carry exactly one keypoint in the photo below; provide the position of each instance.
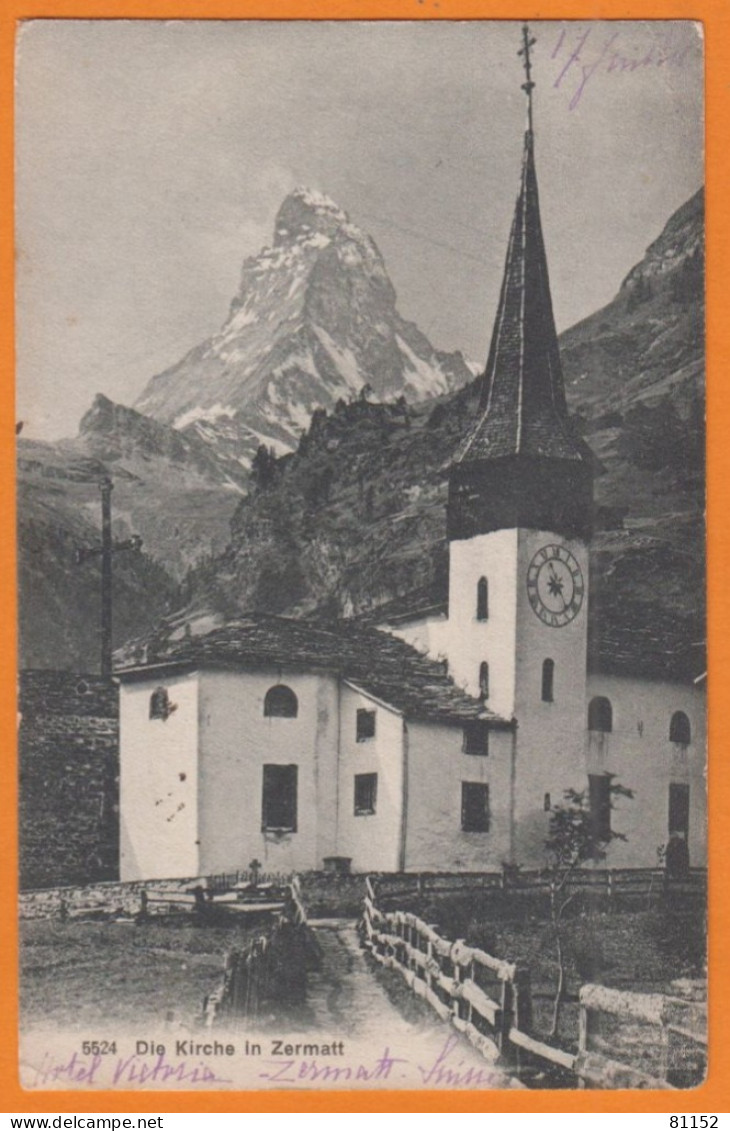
(485, 998)
(225, 881)
(677, 1031)
(488, 999)
(611, 884)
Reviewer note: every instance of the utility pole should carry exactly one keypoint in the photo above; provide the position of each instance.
(105, 552)
(106, 487)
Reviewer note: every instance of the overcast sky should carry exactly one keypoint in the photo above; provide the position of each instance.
(152, 158)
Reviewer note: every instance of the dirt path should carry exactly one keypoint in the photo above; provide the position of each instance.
(346, 998)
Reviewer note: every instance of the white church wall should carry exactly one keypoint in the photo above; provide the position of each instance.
(371, 840)
(642, 757)
(429, 635)
(237, 741)
(470, 641)
(436, 769)
(159, 780)
(550, 733)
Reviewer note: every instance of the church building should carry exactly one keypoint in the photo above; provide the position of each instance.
(441, 740)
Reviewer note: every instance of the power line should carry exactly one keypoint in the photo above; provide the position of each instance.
(422, 238)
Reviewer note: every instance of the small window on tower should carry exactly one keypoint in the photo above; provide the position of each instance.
(366, 794)
(474, 807)
(482, 599)
(484, 680)
(365, 725)
(476, 737)
(548, 674)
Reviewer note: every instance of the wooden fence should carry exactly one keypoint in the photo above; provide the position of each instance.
(226, 881)
(270, 969)
(488, 1000)
(664, 1037)
(613, 885)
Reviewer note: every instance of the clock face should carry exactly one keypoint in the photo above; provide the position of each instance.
(555, 586)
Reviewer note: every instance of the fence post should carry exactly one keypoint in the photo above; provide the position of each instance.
(583, 1036)
(456, 975)
(428, 974)
(523, 1000)
(470, 1007)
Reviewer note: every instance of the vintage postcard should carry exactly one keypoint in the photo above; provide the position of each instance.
(361, 555)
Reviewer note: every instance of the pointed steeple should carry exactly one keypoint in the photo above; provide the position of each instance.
(522, 408)
(522, 413)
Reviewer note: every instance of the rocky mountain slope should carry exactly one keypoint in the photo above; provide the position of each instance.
(353, 519)
(356, 518)
(59, 599)
(314, 320)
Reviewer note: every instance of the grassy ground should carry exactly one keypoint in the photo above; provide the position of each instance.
(641, 950)
(78, 975)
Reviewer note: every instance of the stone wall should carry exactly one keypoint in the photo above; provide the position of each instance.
(103, 900)
(68, 756)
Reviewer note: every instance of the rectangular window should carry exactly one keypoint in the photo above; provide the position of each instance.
(678, 808)
(365, 725)
(366, 793)
(476, 737)
(599, 796)
(474, 807)
(279, 800)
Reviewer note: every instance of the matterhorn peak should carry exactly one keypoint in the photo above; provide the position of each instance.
(305, 213)
(314, 320)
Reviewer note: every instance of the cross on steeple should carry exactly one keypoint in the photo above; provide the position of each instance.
(528, 86)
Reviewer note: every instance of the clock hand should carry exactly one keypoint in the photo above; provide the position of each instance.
(558, 590)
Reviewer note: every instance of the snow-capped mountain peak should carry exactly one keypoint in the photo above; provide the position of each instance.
(314, 320)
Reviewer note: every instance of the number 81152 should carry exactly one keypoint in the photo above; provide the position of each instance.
(690, 1121)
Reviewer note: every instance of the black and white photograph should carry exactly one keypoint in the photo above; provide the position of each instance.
(361, 554)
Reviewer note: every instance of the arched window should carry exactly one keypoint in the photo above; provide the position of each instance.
(679, 729)
(482, 599)
(600, 714)
(160, 704)
(484, 680)
(280, 703)
(548, 673)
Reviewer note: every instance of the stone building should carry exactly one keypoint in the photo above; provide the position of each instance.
(68, 778)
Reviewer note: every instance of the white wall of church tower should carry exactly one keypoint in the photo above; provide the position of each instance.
(550, 738)
(469, 641)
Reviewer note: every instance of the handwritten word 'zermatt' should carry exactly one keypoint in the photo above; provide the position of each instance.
(301, 1070)
(586, 54)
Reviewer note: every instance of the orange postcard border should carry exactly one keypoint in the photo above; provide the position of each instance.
(714, 1094)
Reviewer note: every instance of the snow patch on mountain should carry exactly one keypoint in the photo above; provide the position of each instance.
(314, 320)
(422, 378)
(194, 414)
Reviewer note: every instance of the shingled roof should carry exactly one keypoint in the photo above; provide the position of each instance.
(382, 665)
(523, 409)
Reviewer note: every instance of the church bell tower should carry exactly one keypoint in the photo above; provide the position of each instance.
(519, 522)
